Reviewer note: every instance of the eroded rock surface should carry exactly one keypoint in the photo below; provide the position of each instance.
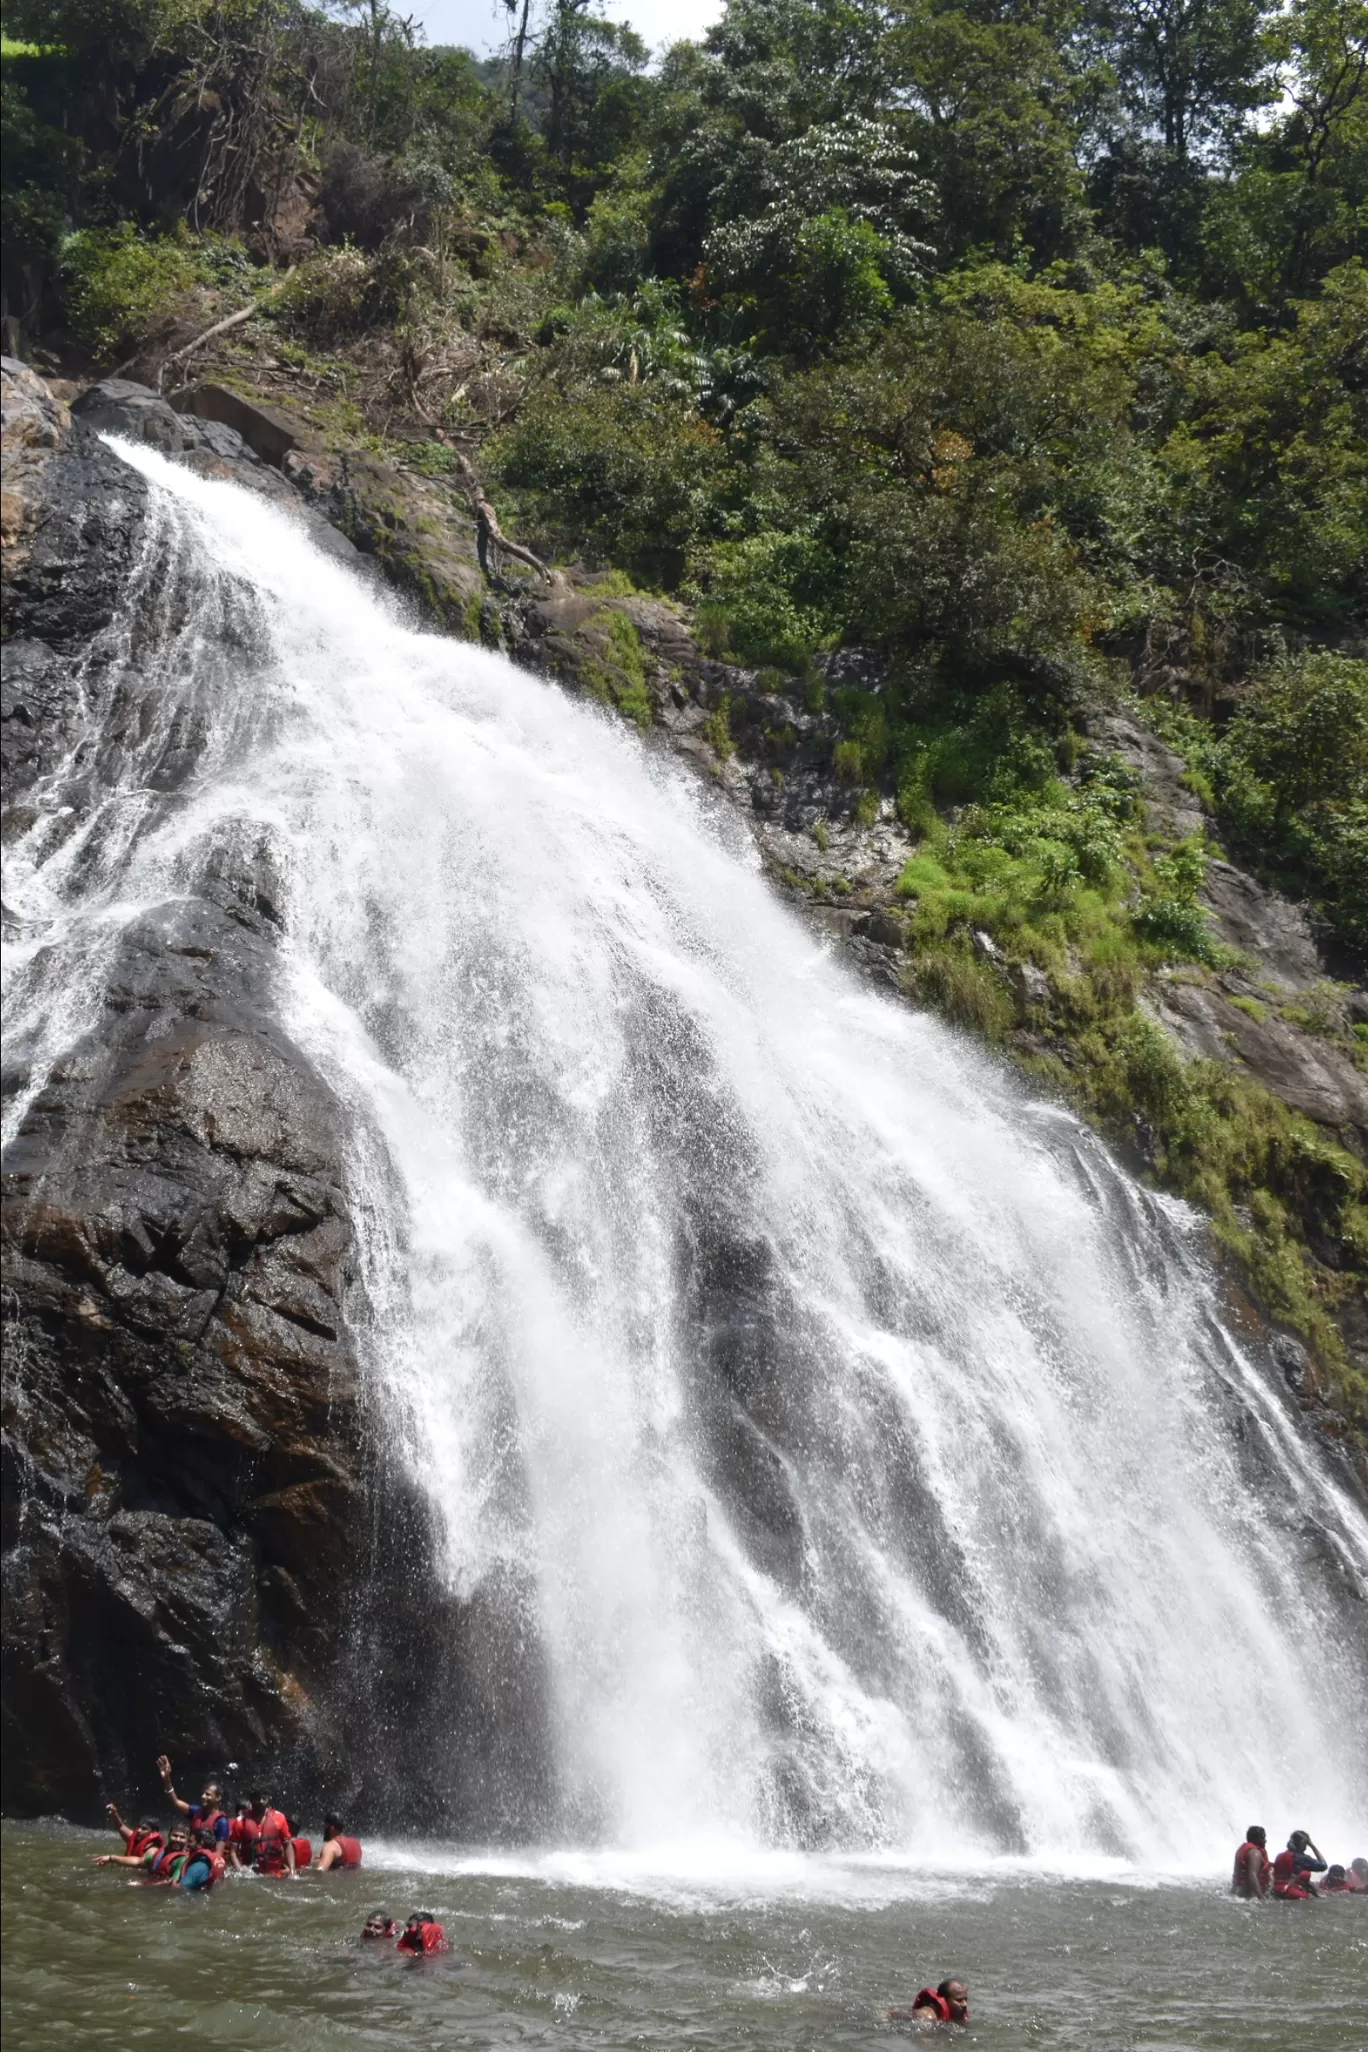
(208, 1543)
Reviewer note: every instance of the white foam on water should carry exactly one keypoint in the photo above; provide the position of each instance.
(862, 1435)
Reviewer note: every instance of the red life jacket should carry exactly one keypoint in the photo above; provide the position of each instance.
(303, 1851)
(351, 1849)
(217, 1864)
(204, 1821)
(927, 1998)
(143, 1841)
(167, 1865)
(1288, 1884)
(1240, 1880)
(269, 1837)
(426, 1939)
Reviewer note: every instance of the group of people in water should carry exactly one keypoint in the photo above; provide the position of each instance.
(213, 1837)
(1291, 1877)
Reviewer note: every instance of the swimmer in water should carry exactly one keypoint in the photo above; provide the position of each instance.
(378, 1925)
(947, 2003)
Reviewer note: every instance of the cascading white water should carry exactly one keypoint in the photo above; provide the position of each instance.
(864, 1435)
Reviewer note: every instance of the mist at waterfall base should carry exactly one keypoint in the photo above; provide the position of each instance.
(862, 1452)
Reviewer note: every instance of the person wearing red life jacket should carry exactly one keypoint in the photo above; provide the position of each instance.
(1252, 1866)
(1336, 1882)
(208, 1814)
(948, 2003)
(264, 1839)
(1306, 1858)
(1357, 1877)
(158, 1862)
(241, 1836)
(1288, 1884)
(137, 1838)
(338, 1849)
(275, 1846)
(204, 1864)
(422, 1935)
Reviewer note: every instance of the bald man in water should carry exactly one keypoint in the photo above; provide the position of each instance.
(946, 2004)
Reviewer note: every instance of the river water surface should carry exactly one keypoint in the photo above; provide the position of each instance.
(581, 1951)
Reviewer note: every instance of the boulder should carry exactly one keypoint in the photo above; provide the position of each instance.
(210, 1544)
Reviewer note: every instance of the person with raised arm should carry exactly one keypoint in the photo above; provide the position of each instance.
(1306, 1858)
(208, 1814)
(137, 1838)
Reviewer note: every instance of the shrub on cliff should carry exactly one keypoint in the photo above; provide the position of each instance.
(1292, 779)
(116, 281)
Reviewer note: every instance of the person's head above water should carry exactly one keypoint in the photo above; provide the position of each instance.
(211, 1796)
(1336, 1877)
(378, 1925)
(955, 1994)
(1359, 1868)
(1256, 1835)
(1299, 1841)
(332, 1828)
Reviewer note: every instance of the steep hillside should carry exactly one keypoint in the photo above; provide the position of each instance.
(949, 425)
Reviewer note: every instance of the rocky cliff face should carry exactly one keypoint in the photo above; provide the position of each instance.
(201, 1538)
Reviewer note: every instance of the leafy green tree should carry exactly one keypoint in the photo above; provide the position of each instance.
(1187, 72)
(1187, 75)
(1298, 206)
(768, 71)
(1268, 467)
(1303, 731)
(834, 241)
(996, 108)
(589, 69)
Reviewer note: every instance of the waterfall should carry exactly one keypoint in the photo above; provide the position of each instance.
(870, 1452)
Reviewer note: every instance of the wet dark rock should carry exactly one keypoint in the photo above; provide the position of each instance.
(182, 1474)
(207, 1546)
(118, 406)
(72, 521)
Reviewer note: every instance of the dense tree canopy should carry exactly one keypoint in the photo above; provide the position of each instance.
(1024, 339)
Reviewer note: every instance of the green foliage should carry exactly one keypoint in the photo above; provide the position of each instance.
(1302, 731)
(1269, 464)
(621, 679)
(116, 281)
(717, 729)
(620, 470)
(965, 990)
(768, 592)
(1289, 779)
